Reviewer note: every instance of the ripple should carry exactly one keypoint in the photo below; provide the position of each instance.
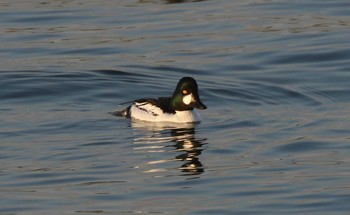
(260, 93)
(309, 57)
(302, 146)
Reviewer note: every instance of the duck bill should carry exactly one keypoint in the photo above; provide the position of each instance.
(198, 104)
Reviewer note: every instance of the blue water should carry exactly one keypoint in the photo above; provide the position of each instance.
(275, 76)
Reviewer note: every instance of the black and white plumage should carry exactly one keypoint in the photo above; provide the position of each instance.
(177, 108)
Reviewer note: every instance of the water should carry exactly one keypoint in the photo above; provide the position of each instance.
(274, 75)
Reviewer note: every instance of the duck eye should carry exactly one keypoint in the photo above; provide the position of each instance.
(185, 92)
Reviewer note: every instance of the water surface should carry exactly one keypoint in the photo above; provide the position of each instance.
(274, 75)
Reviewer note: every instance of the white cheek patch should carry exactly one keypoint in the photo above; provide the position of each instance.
(187, 99)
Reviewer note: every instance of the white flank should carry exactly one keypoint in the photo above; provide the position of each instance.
(148, 112)
(187, 99)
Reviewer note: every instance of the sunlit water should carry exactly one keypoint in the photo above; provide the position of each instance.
(275, 76)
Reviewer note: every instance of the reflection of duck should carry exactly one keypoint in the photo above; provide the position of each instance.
(184, 141)
(177, 108)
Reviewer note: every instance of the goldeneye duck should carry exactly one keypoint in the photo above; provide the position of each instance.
(177, 108)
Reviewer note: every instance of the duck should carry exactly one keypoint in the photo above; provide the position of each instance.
(178, 108)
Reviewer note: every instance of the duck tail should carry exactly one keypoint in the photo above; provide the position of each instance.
(122, 113)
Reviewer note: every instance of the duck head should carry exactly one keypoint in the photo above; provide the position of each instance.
(185, 96)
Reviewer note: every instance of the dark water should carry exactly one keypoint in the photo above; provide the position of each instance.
(275, 76)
